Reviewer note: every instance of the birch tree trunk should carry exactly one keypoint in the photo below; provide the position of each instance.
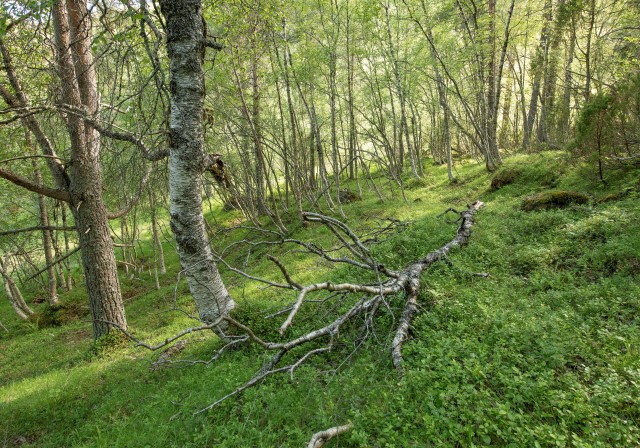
(187, 160)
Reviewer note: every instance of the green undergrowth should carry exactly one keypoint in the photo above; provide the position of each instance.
(543, 352)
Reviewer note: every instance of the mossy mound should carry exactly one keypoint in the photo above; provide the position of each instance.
(504, 177)
(63, 313)
(613, 196)
(553, 199)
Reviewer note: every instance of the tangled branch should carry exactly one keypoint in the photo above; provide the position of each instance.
(404, 283)
(391, 286)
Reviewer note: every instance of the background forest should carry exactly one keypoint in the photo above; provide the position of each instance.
(326, 157)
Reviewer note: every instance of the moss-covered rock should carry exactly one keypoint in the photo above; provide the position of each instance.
(347, 196)
(503, 177)
(553, 199)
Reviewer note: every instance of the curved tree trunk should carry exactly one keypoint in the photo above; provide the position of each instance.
(187, 162)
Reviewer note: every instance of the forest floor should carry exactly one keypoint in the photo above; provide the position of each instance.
(544, 352)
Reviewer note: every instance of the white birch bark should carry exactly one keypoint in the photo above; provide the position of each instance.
(188, 160)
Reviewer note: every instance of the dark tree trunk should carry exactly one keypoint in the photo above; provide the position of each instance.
(73, 43)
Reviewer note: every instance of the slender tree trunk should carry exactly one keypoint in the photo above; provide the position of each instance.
(404, 127)
(297, 184)
(352, 148)
(13, 293)
(587, 60)
(537, 67)
(185, 48)
(442, 99)
(491, 148)
(550, 77)
(67, 261)
(506, 110)
(565, 112)
(52, 290)
(157, 243)
(256, 127)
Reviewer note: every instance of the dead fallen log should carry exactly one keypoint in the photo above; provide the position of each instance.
(391, 287)
(404, 283)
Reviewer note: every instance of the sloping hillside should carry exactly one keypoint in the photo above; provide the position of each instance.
(543, 352)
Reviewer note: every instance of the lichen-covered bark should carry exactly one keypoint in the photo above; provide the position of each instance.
(187, 160)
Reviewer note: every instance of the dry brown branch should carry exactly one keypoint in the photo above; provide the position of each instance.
(321, 437)
(61, 195)
(284, 271)
(167, 341)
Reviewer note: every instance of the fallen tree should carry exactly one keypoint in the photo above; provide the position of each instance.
(393, 289)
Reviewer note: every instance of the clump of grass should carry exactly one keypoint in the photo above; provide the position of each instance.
(107, 345)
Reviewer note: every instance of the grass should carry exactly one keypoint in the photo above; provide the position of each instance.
(544, 352)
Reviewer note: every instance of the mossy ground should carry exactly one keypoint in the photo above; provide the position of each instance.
(544, 352)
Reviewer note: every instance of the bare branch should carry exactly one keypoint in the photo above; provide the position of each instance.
(328, 286)
(127, 137)
(264, 374)
(20, 100)
(32, 229)
(404, 283)
(320, 438)
(52, 264)
(249, 276)
(143, 184)
(61, 195)
(284, 271)
(35, 156)
(167, 341)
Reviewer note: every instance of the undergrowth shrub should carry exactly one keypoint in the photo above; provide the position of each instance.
(608, 128)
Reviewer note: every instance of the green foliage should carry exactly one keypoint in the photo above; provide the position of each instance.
(542, 353)
(607, 128)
